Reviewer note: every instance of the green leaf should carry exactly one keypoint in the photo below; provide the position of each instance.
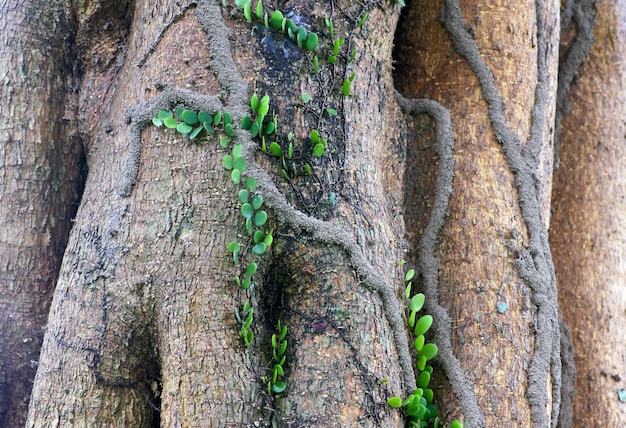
(423, 325)
(307, 168)
(247, 211)
(409, 275)
(234, 246)
(352, 54)
(239, 163)
(301, 36)
(362, 20)
(337, 45)
(250, 184)
(269, 239)
(331, 111)
(275, 149)
(249, 228)
(179, 112)
(456, 424)
(428, 393)
(164, 114)
(259, 236)
(407, 290)
(235, 176)
(429, 351)
(228, 129)
(283, 333)
(417, 302)
(311, 42)
(290, 150)
(157, 122)
(419, 342)
(264, 108)
(224, 141)
(260, 218)
(217, 118)
(276, 20)
(401, 3)
(279, 387)
(274, 341)
(246, 122)
(251, 269)
(237, 150)
(291, 28)
(204, 116)
(259, 248)
(315, 136)
(345, 88)
(227, 162)
(190, 117)
(207, 126)
(395, 402)
(247, 12)
(283, 348)
(259, 10)
(257, 201)
(421, 362)
(424, 379)
(195, 132)
(183, 128)
(269, 128)
(254, 129)
(306, 97)
(254, 101)
(170, 122)
(241, 3)
(318, 150)
(243, 196)
(316, 68)
(412, 319)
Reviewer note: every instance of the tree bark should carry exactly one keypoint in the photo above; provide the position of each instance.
(40, 167)
(589, 192)
(490, 66)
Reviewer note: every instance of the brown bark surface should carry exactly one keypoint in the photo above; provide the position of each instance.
(490, 304)
(40, 162)
(587, 231)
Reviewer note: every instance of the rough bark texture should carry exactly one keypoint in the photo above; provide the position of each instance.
(587, 231)
(40, 163)
(143, 310)
(486, 55)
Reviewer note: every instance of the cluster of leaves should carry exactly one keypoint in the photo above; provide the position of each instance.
(189, 122)
(305, 40)
(279, 350)
(418, 406)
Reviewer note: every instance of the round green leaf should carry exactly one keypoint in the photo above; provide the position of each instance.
(164, 114)
(251, 269)
(259, 248)
(279, 387)
(228, 129)
(237, 150)
(257, 201)
(409, 275)
(264, 108)
(456, 424)
(421, 362)
(429, 351)
(424, 379)
(207, 126)
(423, 325)
(170, 122)
(247, 211)
(269, 128)
(395, 402)
(183, 128)
(315, 136)
(276, 20)
(246, 122)
(227, 118)
(311, 41)
(306, 97)
(227, 162)
(276, 150)
(243, 196)
(217, 118)
(260, 218)
(250, 184)
(204, 116)
(318, 150)
(301, 36)
(234, 246)
(235, 176)
(428, 394)
(224, 141)
(189, 117)
(157, 122)
(417, 302)
(269, 239)
(239, 163)
(259, 236)
(254, 129)
(419, 342)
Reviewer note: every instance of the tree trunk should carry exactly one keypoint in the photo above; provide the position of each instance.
(40, 165)
(491, 67)
(153, 320)
(587, 232)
